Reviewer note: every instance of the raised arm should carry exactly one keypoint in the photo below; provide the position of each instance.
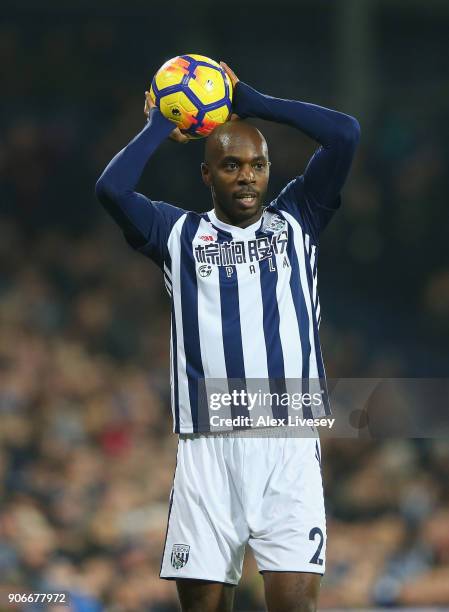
(145, 224)
(338, 135)
(115, 188)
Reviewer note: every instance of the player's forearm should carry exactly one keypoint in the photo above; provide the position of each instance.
(124, 171)
(328, 127)
(115, 188)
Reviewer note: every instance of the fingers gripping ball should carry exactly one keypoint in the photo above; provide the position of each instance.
(194, 92)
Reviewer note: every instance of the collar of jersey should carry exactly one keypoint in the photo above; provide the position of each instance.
(236, 231)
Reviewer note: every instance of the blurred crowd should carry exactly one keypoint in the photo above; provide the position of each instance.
(86, 450)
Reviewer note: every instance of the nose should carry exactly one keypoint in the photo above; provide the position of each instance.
(246, 174)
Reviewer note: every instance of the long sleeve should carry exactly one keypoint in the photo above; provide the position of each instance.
(338, 135)
(145, 224)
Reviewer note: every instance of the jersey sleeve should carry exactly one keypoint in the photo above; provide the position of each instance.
(155, 245)
(146, 225)
(313, 197)
(310, 214)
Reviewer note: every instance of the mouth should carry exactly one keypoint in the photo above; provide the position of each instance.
(246, 197)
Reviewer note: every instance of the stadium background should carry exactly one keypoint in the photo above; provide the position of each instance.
(86, 453)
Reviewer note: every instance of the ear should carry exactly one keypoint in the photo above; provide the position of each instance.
(205, 173)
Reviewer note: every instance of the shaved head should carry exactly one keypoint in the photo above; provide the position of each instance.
(230, 135)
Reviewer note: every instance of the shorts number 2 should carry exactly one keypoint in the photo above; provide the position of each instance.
(316, 531)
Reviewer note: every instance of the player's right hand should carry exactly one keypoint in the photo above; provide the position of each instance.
(176, 135)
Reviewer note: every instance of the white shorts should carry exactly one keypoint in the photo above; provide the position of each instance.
(232, 490)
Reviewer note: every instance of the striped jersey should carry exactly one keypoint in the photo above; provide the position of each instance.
(244, 301)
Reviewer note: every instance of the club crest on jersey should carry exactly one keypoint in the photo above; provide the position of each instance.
(273, 223)
(205, 270)
(179, 555)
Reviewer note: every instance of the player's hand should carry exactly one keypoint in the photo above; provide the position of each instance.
(234, 80)
(176, 135)
(231, 74)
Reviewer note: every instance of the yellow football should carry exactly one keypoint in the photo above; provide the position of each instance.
(194, 92)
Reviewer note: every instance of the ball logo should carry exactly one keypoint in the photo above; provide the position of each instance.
(176, 112)
(179, 555)
(209, 84)
(205, 270)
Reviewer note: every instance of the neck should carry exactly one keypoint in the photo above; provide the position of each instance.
(238, 222)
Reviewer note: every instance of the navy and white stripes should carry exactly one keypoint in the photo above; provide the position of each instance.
(244, 306)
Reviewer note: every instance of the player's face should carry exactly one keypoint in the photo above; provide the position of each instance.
(237, 170)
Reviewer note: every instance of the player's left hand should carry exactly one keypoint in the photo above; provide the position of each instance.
(176, 134)
(231, 74)
(234, 80)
